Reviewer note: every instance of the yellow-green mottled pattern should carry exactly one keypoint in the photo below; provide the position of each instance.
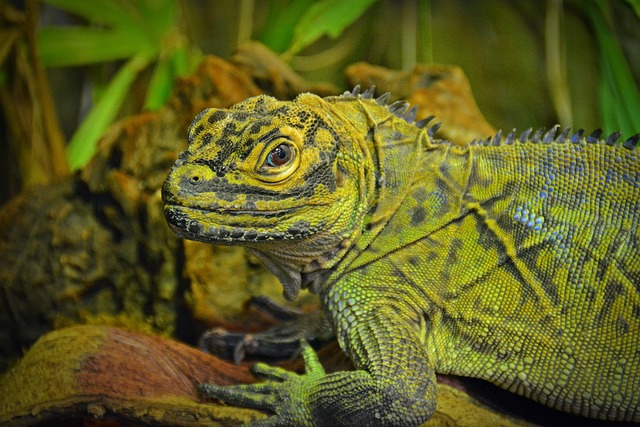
(517, 261)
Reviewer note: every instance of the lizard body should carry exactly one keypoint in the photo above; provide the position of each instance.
(515, 260)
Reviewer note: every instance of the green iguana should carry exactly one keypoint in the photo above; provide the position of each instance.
(515, 259)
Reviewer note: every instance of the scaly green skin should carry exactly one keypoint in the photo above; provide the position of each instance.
(517, 262)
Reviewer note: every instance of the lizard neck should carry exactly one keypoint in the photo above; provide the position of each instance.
(383, 160)
(396, 157)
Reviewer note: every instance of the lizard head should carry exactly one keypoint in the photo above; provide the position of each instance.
(279, 177)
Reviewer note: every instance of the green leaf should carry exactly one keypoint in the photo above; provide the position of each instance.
(83, 144)
(97, 11)
(326, 17)
(635, 5)
(156, 19)
(180, 62)
(619, 93)
(135, 27)
(68, 46)
(281, 23)
(160, 85)
(137, 30)
(4, 77)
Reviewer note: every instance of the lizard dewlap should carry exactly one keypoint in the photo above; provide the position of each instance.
(515, 259)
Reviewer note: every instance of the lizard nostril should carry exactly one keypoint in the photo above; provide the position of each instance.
(194, 179)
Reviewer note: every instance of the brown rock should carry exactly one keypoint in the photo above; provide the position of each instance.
(110, 374)
(439, 90)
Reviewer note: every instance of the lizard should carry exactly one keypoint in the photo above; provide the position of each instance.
(514, 259)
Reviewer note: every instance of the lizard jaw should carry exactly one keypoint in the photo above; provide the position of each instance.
(227, 226)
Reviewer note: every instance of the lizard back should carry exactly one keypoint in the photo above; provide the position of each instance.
(526, 259)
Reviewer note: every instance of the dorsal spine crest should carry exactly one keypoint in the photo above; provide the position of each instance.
(402, 109)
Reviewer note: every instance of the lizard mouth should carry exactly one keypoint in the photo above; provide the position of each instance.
(227, 225)
(232, 210)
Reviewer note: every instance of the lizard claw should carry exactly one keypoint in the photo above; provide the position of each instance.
(278, 342)
(270, 373)
(246, 395)
(284, 392)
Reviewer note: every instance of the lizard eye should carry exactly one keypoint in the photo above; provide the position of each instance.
(278, 159)
(279, 156)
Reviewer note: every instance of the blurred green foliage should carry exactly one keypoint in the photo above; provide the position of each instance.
(619, 94)
(130, 52)
(139, 32)
(325, 17)
(282, 18)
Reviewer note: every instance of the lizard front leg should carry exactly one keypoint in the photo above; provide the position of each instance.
(394, 384)
(383, 336)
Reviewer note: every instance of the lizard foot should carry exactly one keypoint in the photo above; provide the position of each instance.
(279, 342)
(284, 393)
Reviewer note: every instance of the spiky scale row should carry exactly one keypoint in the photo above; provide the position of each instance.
(632, 142)
(368, 94)
(400, 109)
(424, 122)
(594, 136)
(576, 137)
(539, 136)
(611, 139)
(384, 98)
(550, 135)
(564, 135)
(410, 115)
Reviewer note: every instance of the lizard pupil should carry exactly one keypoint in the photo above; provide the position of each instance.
(279, 156)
